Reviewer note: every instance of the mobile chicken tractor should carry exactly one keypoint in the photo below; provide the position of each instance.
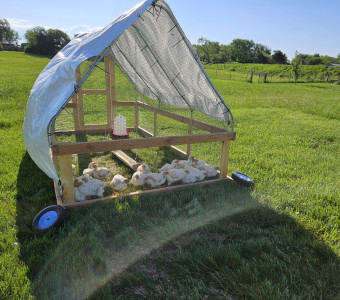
(82, 104)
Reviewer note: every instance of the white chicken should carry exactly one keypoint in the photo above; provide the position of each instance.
(155, 179)
(143, 169)
(89, 169)
(211, 171)
(85, 177)
(138, 179)
(198, 163)
(189, 177)
(92, 188)
(119, 183)
(182, 163)
(79, 196)
(74, 170)
(167, 167)
(101, 173)
(200, 175)
(174, 175)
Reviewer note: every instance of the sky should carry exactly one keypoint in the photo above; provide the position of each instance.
(306, 26)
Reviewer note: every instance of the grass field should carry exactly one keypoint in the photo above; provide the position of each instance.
(279, 240)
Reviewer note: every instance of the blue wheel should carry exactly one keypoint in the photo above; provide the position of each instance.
(50, 217)
(242, 179)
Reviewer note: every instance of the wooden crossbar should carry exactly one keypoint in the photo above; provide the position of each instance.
(103, 146)
(147, 192)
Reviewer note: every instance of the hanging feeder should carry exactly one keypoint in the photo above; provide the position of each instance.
(119, 128)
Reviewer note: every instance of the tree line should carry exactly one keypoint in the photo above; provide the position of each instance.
(247, 51)
(39, 40)
(50, 41)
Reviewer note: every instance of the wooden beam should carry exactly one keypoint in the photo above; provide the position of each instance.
(125, 103)
(136, 115)
(72, 104)
(95, 128)
(179, 151)
(189, 133)
(224, 159)
(155, 124)
(55, 183)
(130, 162)
(149, 192)
(125, 144)
(112, 69)
(185, 120)
(79, 115)
(66, 178)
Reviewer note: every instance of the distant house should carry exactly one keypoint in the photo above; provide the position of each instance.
(333, 65)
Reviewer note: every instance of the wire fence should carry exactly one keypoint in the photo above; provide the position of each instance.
(273, 73)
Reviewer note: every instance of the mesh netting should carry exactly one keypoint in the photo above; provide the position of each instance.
(161, 62)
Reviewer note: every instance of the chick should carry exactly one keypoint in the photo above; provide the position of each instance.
(119, 183)
(182, 163)
(174, 175)
(101, 173)
(155, 179)
(92, 188)
(211, 171)
(79, 196)
(189, 177)
(167, 167)
(85, 177)
(143, 169)
(138, 179)
(89, 169)
(198, 163)
(200, 175)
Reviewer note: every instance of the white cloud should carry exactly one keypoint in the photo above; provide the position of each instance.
(20, 24)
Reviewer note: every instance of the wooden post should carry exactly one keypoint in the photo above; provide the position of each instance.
(109, 97)
(224, 159)
(189, 132)
(155, 123)
(251, 77)
(80, 107)
(136, 116)
(75, 113)
(66, 178)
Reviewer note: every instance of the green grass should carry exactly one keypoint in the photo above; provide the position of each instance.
(279, 240)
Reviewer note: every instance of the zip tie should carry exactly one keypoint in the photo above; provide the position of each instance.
(76, 88)
(139, 16)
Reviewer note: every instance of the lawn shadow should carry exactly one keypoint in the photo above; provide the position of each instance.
(213, 241)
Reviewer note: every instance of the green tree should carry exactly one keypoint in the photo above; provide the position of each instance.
(208, 50)
(242, 50)
(296, 66)
(42, 41)
(279, 57)
(338, 57)
(7, 35)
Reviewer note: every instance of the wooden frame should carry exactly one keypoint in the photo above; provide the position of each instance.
(64, 151)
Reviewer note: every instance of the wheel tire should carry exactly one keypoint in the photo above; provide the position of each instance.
(242, 179)
(50, 217)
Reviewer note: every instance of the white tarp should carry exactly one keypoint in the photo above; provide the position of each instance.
(56, 83)
(151, 49)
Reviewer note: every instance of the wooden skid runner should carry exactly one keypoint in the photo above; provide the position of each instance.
(148, 192)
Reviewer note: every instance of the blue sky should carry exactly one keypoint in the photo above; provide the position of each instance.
(306, 26)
